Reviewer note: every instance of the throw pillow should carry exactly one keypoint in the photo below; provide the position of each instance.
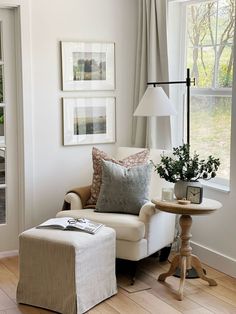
(139, 158)
(123, 190)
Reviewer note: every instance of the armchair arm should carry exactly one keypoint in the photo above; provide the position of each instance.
(147, 211)
(77, 198)
(159, 227)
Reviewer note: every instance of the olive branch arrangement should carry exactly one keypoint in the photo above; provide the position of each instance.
(186, 168)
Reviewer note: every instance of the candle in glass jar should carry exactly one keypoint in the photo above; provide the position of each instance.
(167, 194)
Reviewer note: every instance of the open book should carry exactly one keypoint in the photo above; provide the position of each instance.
(68, 223)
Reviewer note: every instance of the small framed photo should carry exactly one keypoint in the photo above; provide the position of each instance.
(88, 66)
(89, 120)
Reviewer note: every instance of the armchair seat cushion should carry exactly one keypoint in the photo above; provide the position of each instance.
(128, 227)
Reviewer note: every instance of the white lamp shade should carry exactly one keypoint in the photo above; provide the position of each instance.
(155, 103)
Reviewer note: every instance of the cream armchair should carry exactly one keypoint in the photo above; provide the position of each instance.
(136, 236)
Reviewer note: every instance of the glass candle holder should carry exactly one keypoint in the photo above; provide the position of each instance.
(167, 194)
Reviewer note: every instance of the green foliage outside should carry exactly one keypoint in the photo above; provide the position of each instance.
(210, 129)
(1, 115)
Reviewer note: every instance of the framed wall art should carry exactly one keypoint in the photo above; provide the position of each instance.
(87, 66)
(89, 120)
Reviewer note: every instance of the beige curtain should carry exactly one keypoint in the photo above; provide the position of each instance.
(151, 65)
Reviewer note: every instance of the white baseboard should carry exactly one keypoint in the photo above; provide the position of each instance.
(8, 253)
(215, 259)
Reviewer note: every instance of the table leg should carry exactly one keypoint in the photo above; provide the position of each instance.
(182, 277)
(198, 266)
(174, 265)
(183, 259)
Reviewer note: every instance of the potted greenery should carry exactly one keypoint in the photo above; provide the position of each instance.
(184, 170)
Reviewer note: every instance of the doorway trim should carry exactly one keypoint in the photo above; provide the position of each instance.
(24, 109)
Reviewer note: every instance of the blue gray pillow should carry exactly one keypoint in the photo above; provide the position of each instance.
(123, 190)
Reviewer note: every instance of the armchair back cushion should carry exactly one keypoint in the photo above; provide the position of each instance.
(123, 190)
(156, 183)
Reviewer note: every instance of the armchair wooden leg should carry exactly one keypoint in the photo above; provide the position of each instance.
(164, 253)
(127, 267)
(134, 266)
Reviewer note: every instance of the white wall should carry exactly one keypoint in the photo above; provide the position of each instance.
(213, 235)
(58, 168)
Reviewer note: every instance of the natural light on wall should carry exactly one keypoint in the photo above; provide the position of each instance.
(209, 55)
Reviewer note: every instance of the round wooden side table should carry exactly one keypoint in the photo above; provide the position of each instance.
(185, 259)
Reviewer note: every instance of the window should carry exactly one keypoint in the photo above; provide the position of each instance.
(209, 55)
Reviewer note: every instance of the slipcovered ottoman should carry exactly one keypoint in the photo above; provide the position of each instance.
(66, 271)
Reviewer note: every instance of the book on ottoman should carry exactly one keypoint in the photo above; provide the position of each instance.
(72, 224)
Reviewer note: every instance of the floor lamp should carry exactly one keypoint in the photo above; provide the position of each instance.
(156, 103)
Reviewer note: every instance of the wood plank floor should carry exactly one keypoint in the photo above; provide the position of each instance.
(147, 296)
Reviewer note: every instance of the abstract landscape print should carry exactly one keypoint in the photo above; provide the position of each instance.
(89, 66)
(89, 120)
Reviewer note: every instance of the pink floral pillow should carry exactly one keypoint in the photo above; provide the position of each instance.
(137, 159)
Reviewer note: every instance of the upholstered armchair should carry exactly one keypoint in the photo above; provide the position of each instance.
(137, 236)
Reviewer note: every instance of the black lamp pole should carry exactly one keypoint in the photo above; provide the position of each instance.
(188, 83)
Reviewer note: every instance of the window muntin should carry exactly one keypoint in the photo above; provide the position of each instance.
(209, 55)
(1, 83)
(2, 138)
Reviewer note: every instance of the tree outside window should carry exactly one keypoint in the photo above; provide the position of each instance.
(209, 42)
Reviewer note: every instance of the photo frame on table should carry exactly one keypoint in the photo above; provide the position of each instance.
(88, 66)
(89, 120)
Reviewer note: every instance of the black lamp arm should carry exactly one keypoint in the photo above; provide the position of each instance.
(174, 82)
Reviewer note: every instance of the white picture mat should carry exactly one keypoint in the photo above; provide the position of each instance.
(70, 105)
(68, 82)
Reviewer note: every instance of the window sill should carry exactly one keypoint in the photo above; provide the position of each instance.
(216, 186)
